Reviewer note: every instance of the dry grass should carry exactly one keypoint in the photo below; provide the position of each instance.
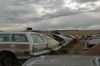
(76, 49)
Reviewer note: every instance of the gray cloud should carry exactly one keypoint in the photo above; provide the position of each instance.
(49, 14)
(78, 21)
(83, 1)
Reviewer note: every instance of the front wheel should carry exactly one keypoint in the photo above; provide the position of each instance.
(7, 59)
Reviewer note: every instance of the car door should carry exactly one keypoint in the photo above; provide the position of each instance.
(38, 42)
(5, 43)
(21, 43)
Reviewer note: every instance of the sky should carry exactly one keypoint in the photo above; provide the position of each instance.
(50, 14)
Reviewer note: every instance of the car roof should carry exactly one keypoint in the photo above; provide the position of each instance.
(14, 32)
(60, 60)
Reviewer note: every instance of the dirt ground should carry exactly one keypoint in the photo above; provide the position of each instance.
(76, 49)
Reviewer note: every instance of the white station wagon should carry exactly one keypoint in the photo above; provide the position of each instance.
(25, 44)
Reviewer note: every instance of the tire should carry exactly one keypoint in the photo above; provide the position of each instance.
(7, 59)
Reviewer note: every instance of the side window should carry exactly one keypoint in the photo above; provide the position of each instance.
(37, 38)
(19, 38)
(4, 37)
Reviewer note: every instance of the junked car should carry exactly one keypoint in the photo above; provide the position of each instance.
(91, 42)
(23, 45)
(63, 60)
(62, 39)
(76, 38)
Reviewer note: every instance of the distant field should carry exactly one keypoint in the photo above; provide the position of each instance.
(73, 32)
(80, 32)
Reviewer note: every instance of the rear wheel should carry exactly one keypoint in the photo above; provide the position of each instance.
(7, 59)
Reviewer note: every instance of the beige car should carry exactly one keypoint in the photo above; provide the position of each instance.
(23, 45)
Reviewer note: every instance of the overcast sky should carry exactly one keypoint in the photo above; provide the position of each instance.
(49, 14)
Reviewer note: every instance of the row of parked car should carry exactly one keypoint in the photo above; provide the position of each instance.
(89, 58)
(22, 45)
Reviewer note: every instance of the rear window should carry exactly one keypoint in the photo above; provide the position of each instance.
(37, 38)
(47, 38)
(4, 37)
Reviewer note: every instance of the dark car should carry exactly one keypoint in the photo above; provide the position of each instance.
(91, 42)
(64, 60)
